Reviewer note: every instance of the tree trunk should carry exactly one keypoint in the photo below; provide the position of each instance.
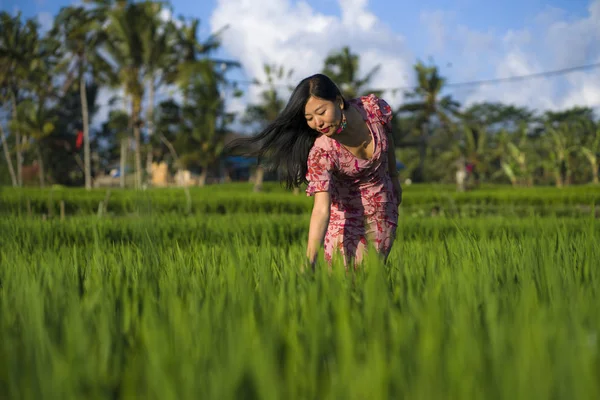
(568, 172)
(258, 179)
(136, 104)
(461, 175)
(419, 173)
(525, 176)
(150, 123)
(558, 177)
(41, 172)
(123, 161)
(224, 174)
(87, 162)
(149, 161)
(562, 172)
(17, 141)
(179, 168)
(13, 176)
(138, 157)
(202, 177)
(593, 160)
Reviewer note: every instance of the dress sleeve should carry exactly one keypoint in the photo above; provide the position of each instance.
(385, 114)
(319, 171)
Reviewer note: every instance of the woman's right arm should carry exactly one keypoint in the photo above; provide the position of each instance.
(319, 220)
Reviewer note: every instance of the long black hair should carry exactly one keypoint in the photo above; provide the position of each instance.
(286, 141)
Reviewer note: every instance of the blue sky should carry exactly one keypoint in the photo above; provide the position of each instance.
(477, 14)
(467, 39)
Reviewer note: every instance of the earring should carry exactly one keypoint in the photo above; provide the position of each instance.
(342, 124)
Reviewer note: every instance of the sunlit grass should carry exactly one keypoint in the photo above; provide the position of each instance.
(239, 198)
(217, 307)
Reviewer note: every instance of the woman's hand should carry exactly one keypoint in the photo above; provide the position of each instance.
(319, 220)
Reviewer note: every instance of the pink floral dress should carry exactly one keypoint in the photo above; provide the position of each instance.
(363, 203)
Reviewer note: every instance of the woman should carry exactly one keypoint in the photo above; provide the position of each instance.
(344, 150)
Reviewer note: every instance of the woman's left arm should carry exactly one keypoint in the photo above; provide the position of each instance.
(393, 171)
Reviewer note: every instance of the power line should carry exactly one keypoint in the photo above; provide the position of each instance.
(514, 78)
(525, 77)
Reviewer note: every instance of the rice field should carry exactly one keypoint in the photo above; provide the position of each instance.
(144, 300)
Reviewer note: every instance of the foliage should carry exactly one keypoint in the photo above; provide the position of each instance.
(144, 55)
(227, 199)
(343, 67)
(133, 306)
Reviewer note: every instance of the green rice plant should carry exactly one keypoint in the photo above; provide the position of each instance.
(220, 307)
(280, 230)
(229, 199)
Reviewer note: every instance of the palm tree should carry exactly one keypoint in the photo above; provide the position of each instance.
(125, 46)
(429, 110)
(6, 21)
(168, 124)
(118, 122)
(80, 33)
(192, 56)
(473, 147)
(34, 119)
(591, 153)
(514, 152)
(201, 78)
(342, 66)
(7, 156)
(203, 122)
(19, 55)
(33, 116)
(160, 59)
(560, 146)
(497, 116)
(271, 104)
(64, 149)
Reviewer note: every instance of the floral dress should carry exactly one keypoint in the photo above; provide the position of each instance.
(363, 203)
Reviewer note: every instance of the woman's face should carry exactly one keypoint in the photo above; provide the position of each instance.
(324, 116)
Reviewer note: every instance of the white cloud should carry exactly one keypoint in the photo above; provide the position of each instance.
(166, 15)
(555, 41)
(453, 43)
(295, 36)
(588, 90)
(436, 23)
(575, 42)
(45, 20)
(354, 13)
(102, 101)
